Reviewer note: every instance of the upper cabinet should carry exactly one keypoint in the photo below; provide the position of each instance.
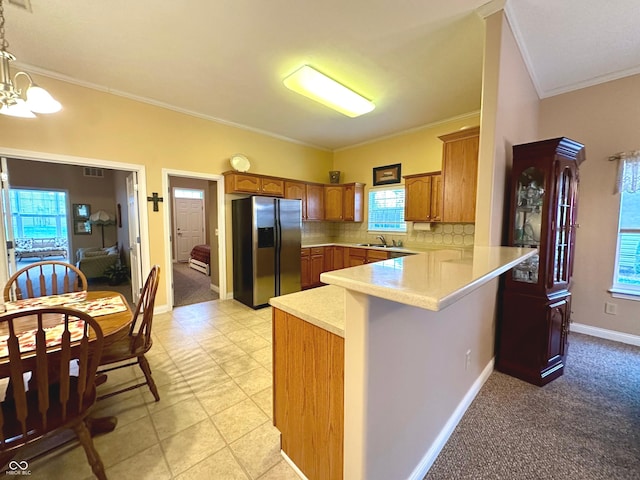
(423, 197)
(235, 182)
(459, 175)
(338, 203)
(344, 202)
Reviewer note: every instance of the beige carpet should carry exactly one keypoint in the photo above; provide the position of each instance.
(583, 426)
(191, 286)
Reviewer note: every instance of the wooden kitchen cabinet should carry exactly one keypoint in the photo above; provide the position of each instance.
(308, 395)
(353, 203)
(338, 258)
(305, 268)
(317, 265)
(423, 197)
(334, 202)
(344, 203)
(357, 256)
(315, 201)
(376, 255)
(536, 302)
(297, 191)
(460, 175)
(235, 182)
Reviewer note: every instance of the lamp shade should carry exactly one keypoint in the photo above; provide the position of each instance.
(102, 218)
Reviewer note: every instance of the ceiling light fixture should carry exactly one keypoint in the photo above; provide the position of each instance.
(315, 85)
(36, 99)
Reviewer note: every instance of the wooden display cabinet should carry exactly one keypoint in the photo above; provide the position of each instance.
(536, 302)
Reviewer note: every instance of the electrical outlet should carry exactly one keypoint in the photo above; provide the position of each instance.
(611, 308)
(467, 359)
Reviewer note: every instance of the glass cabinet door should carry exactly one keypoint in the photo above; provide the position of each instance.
(563, 234)
(527, 223)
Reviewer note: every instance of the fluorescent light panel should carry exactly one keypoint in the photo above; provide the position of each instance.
(314, 85)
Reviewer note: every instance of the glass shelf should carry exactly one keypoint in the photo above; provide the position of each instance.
(528, 221)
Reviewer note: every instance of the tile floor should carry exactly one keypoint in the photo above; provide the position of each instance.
(212, 364)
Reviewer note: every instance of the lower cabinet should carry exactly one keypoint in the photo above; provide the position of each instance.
(533, 332)
(305, 268)
(308, 395)
(311, 266)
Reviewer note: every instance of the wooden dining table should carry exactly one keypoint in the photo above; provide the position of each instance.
(110, 309)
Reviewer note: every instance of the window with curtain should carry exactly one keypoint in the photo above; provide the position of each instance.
(626, 277)
(386, 210)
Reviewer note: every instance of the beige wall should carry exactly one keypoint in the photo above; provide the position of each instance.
(98, 125)
(509, 116)
(605, 119)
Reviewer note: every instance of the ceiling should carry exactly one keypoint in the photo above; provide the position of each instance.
(420, 62)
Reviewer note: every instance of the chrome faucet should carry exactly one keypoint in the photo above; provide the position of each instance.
(381, 237)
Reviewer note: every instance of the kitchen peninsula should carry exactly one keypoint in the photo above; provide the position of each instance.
(373, 371)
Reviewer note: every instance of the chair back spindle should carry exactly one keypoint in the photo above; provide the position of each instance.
(44, 278)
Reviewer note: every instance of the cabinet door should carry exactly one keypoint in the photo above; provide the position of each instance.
(460, 175)
(563, 229)
(353, 202)
(558, 326)
(328, 258)
(376, 256)
(317, 265)
(297, 191)
(272, 186)
(436, 198)
(305, 268)
(333, 203)
(315, 201)
(417, 206)
(338, 258)
(244, 183)
(357, 256)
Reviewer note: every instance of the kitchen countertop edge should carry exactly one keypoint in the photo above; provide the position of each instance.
(321, 306)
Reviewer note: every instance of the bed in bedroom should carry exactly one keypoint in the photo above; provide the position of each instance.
(200, 258)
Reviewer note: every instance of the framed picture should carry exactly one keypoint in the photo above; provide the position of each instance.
(386, 175)
(81, 210)
(81, 227)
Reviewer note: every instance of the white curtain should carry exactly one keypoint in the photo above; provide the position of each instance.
(628, 171)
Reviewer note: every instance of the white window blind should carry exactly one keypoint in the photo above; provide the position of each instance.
(386, 209)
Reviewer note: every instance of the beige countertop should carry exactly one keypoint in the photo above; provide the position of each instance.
(433, 279)
(322, 306)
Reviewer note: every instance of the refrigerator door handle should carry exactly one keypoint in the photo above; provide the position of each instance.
(278, 234)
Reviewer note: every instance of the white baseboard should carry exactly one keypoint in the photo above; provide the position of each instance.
(293, 465)
(229, 296)
(607, 334)
(162, 309)
(436, 447)
(215, 288)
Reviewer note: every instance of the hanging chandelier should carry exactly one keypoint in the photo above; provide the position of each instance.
(14, 101)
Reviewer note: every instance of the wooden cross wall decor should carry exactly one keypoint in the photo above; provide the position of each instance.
(155, 199)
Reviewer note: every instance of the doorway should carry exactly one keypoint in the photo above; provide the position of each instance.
(194, 224)
(47, 171)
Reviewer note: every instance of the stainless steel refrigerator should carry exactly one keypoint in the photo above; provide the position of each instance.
(266, 248)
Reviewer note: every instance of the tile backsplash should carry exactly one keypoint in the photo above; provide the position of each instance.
(458, 234)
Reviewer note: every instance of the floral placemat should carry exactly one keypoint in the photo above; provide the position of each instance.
(65, 299)
(95, 308)
(27, 339)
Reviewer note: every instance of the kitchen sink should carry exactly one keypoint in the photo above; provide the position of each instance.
(372, 245)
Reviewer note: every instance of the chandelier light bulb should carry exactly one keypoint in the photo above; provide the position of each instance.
(41, 101)
(17, 109)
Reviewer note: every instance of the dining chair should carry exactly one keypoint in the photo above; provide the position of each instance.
(50, 277)
(137, 342)
(61, 347)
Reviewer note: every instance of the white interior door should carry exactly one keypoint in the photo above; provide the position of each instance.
(189, 225)
(134, 235)
(7, 248)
